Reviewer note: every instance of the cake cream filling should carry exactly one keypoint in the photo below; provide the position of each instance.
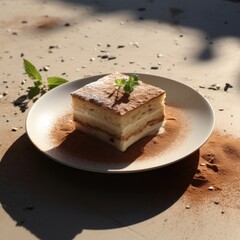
(100, 122)
(123, 143)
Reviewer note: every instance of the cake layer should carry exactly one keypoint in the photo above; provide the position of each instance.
(135, 127)
(122, 144)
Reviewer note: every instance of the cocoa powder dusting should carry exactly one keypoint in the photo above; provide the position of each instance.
(69, 140)
(218, 172)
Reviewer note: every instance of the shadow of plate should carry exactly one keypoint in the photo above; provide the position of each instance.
(53, 201)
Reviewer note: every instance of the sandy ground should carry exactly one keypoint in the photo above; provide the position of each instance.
(193, 42)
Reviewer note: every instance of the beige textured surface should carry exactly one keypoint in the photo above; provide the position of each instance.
(196, 43)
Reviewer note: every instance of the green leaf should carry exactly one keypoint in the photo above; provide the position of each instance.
(33, 92)
(133, 79)
(120, 82)
(128, 88)
(128, 85)
(134, 84)
(55, 81)
(37, 83)
(31, 70)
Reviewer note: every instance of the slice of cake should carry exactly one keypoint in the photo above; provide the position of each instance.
(117, 117)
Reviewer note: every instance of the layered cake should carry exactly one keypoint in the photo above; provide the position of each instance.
(115, 116)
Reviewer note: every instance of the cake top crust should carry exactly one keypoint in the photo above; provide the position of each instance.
(103, 93)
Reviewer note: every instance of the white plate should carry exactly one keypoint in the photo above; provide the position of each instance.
(57, 102)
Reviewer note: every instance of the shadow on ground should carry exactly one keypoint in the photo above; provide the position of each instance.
(57, 202)
(217, 19)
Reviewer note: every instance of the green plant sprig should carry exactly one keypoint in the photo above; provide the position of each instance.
(39, 86)
(128, 85)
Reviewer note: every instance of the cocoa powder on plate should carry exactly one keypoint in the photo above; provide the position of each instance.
(66, 138)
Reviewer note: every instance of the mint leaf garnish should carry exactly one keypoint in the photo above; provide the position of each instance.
(39, 87)
(38, 83)
(55, 81)
(133, 80)
(127, 84)
(33, 92)
(120, 82)
(128, 88)
(31, 70)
